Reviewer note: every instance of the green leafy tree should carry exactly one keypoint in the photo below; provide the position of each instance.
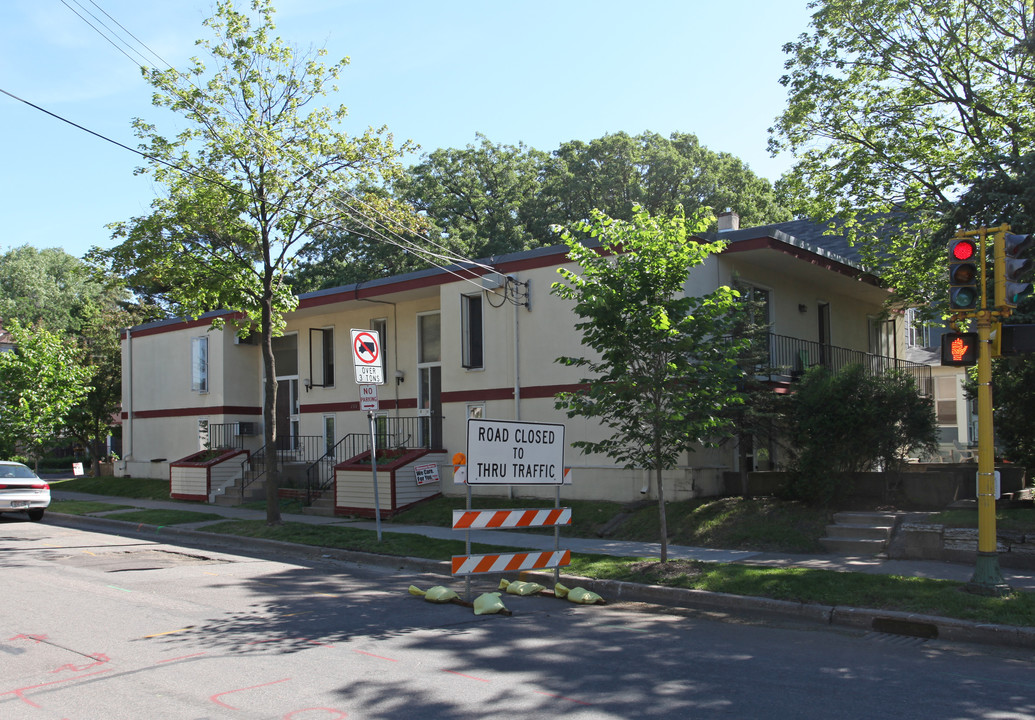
(1012, 380)
(255, 172)
(47, 287)
(848, 421)
(663, 368)
(489, 199)
(1007, 194)
(41, 380)
(66, 296)
(901, 106)
(618, 171)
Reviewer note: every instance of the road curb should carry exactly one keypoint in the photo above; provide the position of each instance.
(243, 543)
(886, 621)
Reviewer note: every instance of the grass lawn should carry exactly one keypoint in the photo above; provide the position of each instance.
(142, 488)
(732, 523)
(84, 507)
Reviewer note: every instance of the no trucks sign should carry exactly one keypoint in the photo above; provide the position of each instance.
(501, 452)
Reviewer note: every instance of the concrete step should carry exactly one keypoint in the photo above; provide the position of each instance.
(853, 546)
(321, 510)
(865, 518)
(862, 532)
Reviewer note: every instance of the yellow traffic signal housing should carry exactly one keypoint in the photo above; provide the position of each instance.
(964, 285)
(1011, 270)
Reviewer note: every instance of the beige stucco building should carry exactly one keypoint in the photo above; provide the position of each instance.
(461, 343)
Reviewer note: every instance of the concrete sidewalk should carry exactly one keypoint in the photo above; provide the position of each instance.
(1019, 580)
(716, 604)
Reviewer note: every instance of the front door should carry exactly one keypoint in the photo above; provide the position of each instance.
(287, 414)
(429, 389)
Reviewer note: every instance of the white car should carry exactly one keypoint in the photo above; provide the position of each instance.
(21, 489)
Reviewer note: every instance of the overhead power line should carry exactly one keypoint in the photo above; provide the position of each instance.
(373, 226)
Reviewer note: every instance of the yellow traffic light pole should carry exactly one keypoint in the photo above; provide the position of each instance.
(987, 578)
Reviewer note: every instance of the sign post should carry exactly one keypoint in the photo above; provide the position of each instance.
(366, 355)
(504, 452)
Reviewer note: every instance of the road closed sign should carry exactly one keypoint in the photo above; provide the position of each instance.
(501, 452)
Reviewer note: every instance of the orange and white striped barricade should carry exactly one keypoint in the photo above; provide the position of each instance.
(510, 562)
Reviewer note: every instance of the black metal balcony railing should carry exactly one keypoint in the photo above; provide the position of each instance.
(295, 449)
(791, 357)
(389, 432)
(224, 435)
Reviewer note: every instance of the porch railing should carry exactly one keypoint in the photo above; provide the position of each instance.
(225, 435)
(390, 432)
(297, 449)
(791, 357)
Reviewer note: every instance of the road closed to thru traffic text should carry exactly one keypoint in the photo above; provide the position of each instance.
(502, 452)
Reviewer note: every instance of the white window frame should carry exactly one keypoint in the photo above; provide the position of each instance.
(472, 338)
(325, 361)
(199, 362)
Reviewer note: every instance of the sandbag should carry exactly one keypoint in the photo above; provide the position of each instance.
(437, 594)
(520, 587)
(579, 595)
(489, 603)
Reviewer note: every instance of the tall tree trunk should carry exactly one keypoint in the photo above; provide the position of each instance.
(269, 414)
(742, 446)
(662, 520)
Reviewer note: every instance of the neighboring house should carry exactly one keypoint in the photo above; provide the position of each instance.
(957, 414)
(6, 341)
(458, 344)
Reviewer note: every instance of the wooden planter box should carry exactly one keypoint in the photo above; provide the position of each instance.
(191, 478)
(397, 487)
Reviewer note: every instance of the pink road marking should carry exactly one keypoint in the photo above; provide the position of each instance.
(213, 698)
(379, 657)
(20, 692)
(469, 677)
(35, 638)
(99, 658)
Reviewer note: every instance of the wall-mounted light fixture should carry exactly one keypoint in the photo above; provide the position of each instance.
(803, 308)
(308, 384)
(399, 377)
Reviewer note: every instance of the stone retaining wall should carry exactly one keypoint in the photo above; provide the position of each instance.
(927, 541)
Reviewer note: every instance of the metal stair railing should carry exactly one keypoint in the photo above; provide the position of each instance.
(300, 448)
(390, 433)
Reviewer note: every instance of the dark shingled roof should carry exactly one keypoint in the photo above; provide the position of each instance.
(807, 234)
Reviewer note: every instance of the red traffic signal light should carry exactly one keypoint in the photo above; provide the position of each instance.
(964, 293)
(959, 349)
(962, 250)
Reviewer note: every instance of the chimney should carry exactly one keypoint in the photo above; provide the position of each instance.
(729, 221)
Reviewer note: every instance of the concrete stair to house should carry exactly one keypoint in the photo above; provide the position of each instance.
(323, 505)
(859, 533)
(231, 495)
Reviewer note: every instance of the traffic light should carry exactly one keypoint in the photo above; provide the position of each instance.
(1011, 270)
(964, 288)
(960, 348)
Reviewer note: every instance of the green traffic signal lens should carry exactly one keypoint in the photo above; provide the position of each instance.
(964, 298)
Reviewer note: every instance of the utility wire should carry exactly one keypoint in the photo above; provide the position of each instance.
(371, 224)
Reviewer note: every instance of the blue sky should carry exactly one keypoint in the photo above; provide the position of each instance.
(436, 73)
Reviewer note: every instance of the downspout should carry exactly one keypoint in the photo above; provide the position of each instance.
(128, 452)
(517, 359)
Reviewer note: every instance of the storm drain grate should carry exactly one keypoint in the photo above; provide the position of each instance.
(908, 628)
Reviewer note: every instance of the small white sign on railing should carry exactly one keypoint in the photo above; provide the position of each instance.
(426, 473)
